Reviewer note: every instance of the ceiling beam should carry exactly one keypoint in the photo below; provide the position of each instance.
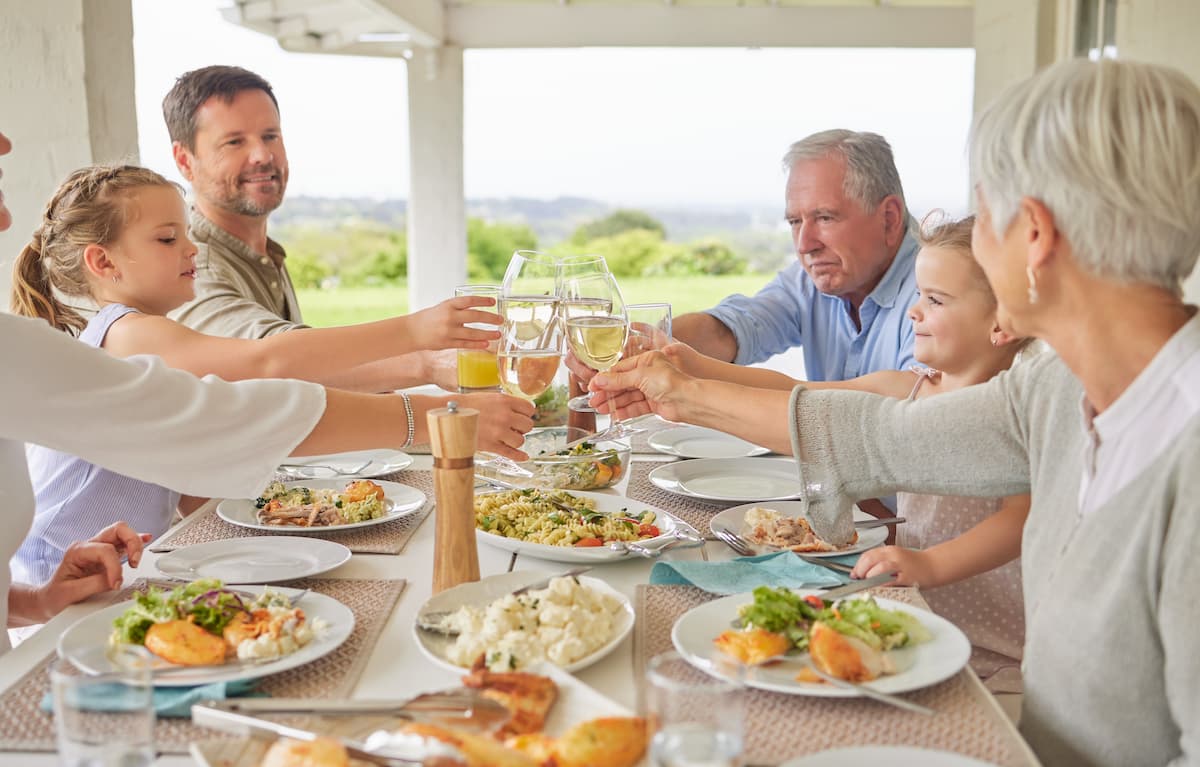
(579, 25)
(423, 20)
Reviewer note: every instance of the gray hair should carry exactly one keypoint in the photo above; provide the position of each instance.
(871, 173)
(1112, 149)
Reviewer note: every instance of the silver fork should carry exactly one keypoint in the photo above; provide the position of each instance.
(734, 541)
(305, 469)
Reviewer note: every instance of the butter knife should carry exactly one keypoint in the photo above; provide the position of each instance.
(853, 587)
(240, 724)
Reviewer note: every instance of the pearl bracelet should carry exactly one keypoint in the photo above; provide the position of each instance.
(412, 423)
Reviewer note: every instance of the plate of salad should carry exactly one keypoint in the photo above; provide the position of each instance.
(887, 645)
(202, 632)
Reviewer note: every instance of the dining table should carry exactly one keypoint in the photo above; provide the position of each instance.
(395, 668)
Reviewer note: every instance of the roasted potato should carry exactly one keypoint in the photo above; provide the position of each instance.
(322, 752)
(361, 490)
(186, 644)
(752, 646)
(616, 741)
(479, 750)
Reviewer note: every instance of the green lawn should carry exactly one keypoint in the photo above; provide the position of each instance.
(346, 306)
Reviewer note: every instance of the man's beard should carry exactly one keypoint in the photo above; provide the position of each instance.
(244, 205)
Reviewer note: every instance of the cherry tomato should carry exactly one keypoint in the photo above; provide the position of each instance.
(649, 531)
(815, 601)
(589, 542)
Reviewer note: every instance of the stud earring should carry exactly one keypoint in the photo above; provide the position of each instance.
(1033, 291)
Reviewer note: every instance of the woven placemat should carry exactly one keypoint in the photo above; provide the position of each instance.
(25, 727)
(695, 512)
(779, 727)
(385, 538)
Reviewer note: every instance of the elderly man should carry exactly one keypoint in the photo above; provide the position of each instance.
(227, 142)
(846, 298)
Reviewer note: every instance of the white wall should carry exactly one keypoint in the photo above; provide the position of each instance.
(1163, 31)
(66, 99)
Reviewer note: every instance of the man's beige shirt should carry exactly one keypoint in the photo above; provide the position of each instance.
(239, 293)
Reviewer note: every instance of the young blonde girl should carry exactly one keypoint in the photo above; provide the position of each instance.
(117, 235)
(961, 551)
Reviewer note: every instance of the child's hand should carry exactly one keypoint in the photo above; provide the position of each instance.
(912, 567)
(442, 326)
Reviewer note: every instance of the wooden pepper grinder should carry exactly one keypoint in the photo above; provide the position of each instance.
(452, 436)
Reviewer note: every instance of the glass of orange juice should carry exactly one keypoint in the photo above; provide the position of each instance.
(477, 369)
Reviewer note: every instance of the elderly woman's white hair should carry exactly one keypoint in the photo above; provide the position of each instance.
(1112, 149)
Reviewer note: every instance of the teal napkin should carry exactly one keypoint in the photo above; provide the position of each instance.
(744, 574)
(169, 701)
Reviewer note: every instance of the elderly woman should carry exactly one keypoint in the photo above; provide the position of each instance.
(1088, 195)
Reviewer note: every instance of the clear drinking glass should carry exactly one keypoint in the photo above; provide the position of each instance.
(104, 719)
(696, 718)
(477, 369)
(530, 345)
(595, 324)
(649, 328)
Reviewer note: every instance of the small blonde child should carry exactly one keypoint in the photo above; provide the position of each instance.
(117, 236)
(961, 551)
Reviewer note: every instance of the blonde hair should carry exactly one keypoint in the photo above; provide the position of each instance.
(1112, 149)
(939, 231)
(91, 207)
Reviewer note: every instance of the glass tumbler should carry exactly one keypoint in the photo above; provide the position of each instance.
(696, 718)
(105, 718)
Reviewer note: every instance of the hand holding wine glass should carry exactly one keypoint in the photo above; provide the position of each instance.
(595, 323)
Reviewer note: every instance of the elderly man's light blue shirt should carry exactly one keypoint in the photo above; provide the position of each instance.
(791, 312)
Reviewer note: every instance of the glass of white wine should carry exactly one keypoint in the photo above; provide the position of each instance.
(530, 345)
(595, 324)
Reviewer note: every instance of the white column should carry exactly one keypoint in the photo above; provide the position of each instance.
(1013, 39)
(437, 219)
(66, 83)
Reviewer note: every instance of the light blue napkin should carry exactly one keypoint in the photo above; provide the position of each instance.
(744, 574)
(169, 701)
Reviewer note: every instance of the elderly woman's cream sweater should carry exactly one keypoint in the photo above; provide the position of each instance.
(1112, 592)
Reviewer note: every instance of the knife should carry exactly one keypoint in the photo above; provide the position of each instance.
(853, 587)
(240, 724)
(465, 706)
(432, 620)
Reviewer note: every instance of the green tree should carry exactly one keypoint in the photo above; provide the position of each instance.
(629, 254)
(306, 270)
(705, 256)
(490, 245)
(617, 222)
(359, 252)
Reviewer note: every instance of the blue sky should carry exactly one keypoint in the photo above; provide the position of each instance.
(686, 127)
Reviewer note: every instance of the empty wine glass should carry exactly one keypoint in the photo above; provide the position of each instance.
(595, 324)
(531, 273)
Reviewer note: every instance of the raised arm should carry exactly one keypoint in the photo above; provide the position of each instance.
(320, 355)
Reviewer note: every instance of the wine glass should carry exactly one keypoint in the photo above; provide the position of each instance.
(595, 323)
(530, 345)
(531, 273)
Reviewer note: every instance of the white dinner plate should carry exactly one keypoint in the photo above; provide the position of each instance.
(730, 479)
(608, 504)
(699, 442)
(435, 646)
(399, 501)
(94, 630)
(734, 520)
(335, 465)
(261, 559)
(576, 702)
(920, 665)
(892, 756)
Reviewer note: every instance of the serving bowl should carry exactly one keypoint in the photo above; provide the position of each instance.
(589, 466)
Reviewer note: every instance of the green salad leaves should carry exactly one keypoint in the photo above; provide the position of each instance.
(205, 601)
(783, 611)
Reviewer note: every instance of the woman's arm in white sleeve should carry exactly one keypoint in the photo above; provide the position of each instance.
(143, 419)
